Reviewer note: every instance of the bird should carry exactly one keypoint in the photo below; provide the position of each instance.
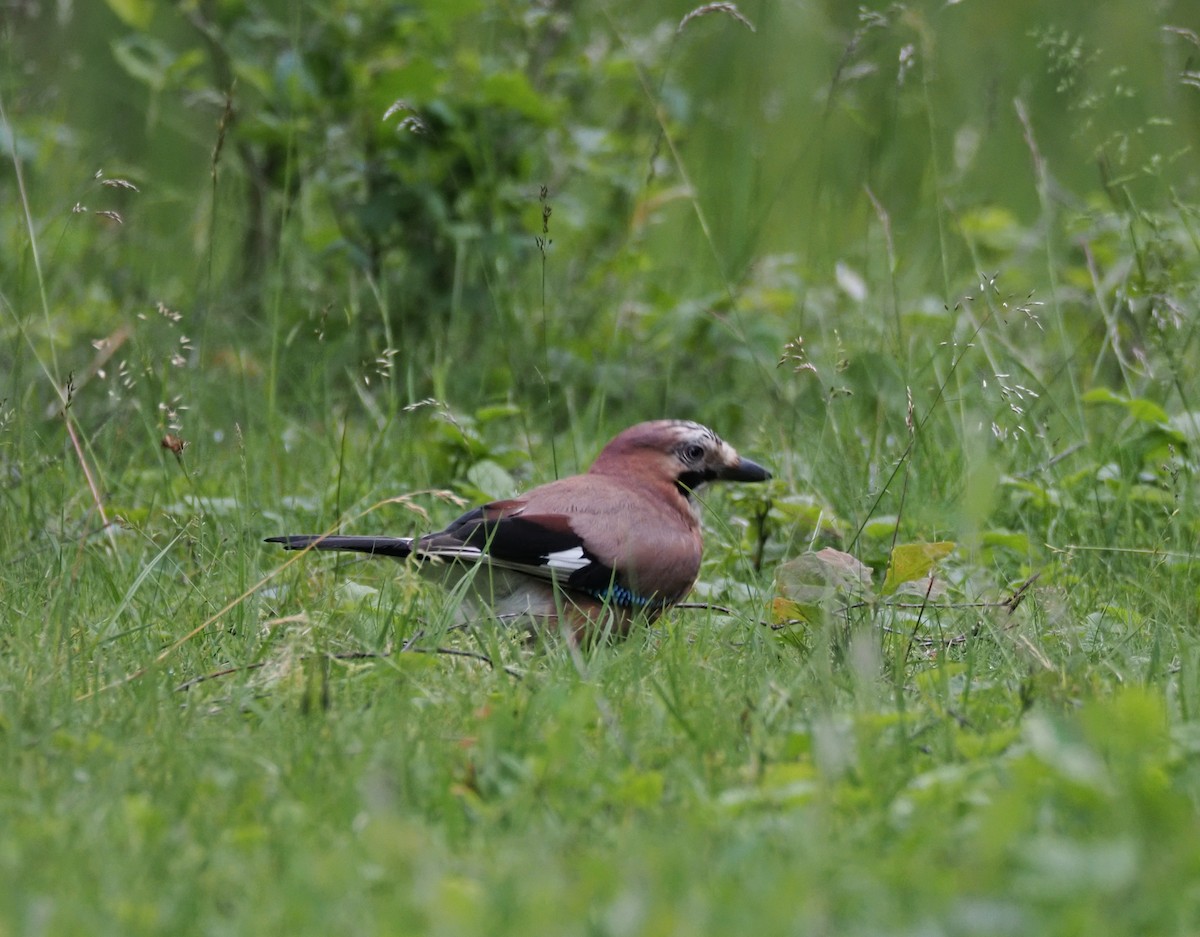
(588, 554)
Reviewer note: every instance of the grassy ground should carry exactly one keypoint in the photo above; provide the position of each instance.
(961, 332)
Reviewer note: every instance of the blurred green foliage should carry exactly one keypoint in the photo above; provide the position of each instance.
(371, 177)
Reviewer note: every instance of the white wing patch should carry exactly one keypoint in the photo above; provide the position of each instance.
(567, 561)
(463, 554)
(552, 564)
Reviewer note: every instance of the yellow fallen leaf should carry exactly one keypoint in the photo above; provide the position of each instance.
(911, 561)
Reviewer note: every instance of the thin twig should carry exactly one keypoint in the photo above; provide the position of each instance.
(917, 624)
(1020, 592)
(217, 674)
(706, 606)
(472, 655)
(953, 641)
(1009, 604)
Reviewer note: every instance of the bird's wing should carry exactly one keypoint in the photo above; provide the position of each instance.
(501, 534)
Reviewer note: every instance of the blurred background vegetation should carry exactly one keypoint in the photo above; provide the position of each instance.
(818, 222)
(360, 186)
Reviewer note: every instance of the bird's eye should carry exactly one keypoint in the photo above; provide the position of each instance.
(694, 452)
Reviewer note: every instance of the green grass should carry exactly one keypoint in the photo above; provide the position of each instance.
(958, 308)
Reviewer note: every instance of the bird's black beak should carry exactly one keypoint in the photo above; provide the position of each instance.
(745, 471)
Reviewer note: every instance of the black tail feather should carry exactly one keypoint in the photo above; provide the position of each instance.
(398, 547)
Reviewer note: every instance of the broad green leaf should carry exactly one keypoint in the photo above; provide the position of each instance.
(1186, 424)
(1130, 730)
(781, 784)
(1148, 494)
(636, 788)
(294, 79)
(253, 74)
(911, 561)
(350, 592)
(136, 14)
(1017, 542)
(490, 480)
(444, 17)
(1138, 407)
(501, 411)
(129, 514)
(993, 227)
(512, 89)
(972, 745)
(930, 682)
(882, 527)
(145, 59)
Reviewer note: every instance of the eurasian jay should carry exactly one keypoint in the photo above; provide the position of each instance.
(622, 539)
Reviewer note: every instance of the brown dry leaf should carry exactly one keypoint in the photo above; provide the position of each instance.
(810, 582)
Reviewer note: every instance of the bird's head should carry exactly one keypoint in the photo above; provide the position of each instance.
(684, 453)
